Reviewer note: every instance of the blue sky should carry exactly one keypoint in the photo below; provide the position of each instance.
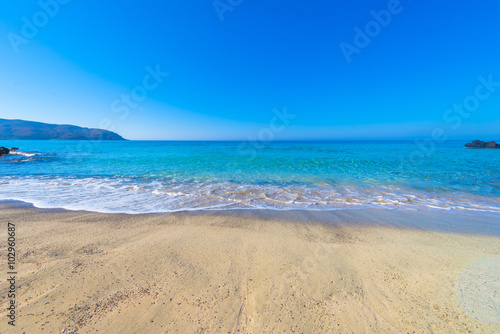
(225, 77)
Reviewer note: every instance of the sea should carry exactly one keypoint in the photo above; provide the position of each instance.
(136, 177)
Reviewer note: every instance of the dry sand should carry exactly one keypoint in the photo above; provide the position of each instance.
(84, 272)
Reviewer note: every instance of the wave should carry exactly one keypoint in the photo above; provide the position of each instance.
(26, 154)
(135, 196)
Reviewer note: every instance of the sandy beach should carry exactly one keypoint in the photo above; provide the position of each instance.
(351, 271)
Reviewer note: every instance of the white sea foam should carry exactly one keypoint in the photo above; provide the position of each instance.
(133, 196)
(26, 154)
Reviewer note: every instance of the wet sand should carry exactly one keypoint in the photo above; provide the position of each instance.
(355, 271)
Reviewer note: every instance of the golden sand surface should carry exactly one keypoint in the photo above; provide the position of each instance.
(82, 272)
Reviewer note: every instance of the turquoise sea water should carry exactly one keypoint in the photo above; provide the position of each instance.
(161, 176)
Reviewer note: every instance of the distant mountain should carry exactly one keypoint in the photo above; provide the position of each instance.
(19, 129)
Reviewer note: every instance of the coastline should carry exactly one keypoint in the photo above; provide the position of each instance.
(161, 176)
(252, 271)
(435, 220)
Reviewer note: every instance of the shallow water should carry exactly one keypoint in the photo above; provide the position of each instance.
(161, 176)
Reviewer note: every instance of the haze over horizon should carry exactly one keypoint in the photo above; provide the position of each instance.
(208, 70)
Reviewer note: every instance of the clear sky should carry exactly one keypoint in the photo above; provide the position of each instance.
(343, 68)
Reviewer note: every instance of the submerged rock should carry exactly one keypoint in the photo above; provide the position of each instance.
(482, 144)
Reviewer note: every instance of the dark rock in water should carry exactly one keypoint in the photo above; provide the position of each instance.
(482, 144)
(476, 144)
(13, 149)
(492, 144)
(4, 150)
